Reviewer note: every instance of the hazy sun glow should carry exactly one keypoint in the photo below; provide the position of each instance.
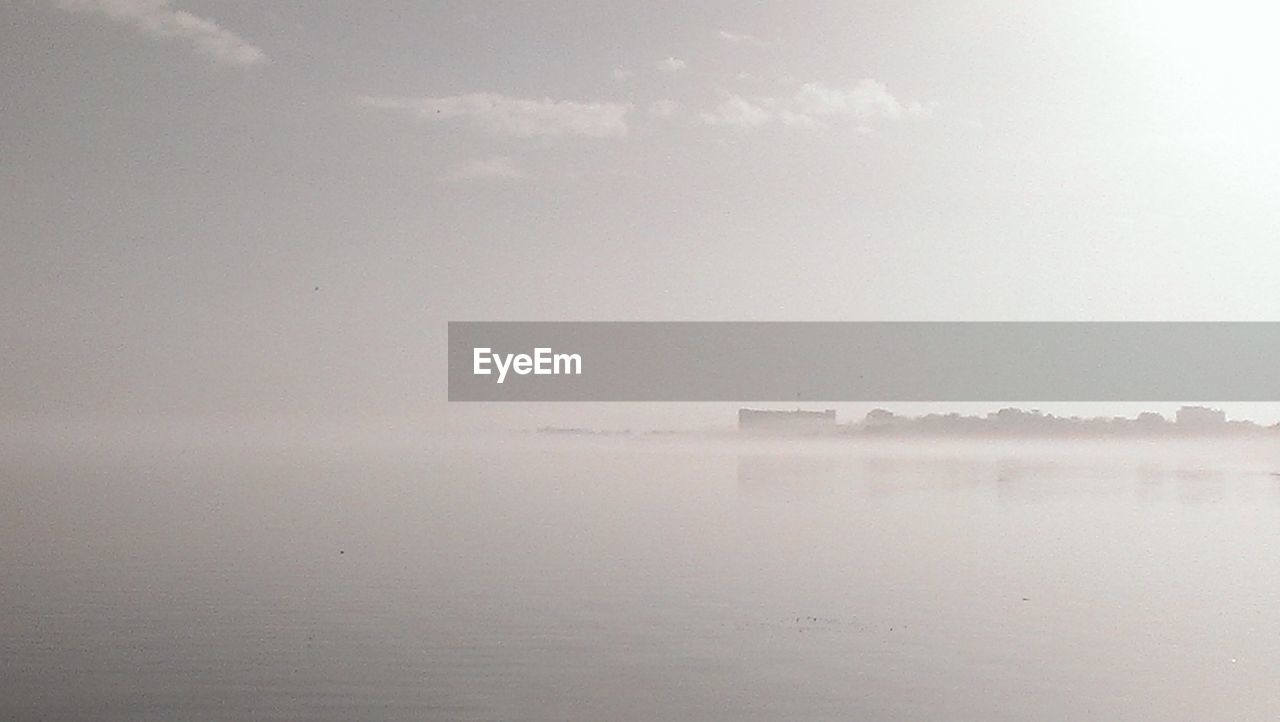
(1211, 68)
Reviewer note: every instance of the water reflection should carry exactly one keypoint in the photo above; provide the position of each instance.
(641, 580)
(1190, 473)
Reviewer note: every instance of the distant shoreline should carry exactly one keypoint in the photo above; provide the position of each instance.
(1011, 422)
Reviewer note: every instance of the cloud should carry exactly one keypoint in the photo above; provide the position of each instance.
(621, 74)
(664, 108)
(740, 38)
(498, 167)
(815, 105)
(867, 99)
(672, 64)
(159, 19)
(521, 117)
(738, 112)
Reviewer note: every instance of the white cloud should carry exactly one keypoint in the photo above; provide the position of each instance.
(522, 117)
(665, 108)
(740, 38)
(816, 105)
(159, 19)
(498, 167)
(867, 99)
(672, 64)
(738, 112)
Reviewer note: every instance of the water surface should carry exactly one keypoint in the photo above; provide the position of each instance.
(540, 578)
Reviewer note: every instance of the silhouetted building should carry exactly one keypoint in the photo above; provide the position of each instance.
(1009, 421)
(1200, 417)
(1150, 420)
(797, 422)
(880, 419)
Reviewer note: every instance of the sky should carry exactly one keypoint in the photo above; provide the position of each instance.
(240, 207)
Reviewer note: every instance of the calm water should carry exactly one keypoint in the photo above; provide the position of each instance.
(592, 580)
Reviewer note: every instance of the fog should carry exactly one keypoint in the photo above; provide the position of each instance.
(186, 234)
(232, 235)
(551, 577)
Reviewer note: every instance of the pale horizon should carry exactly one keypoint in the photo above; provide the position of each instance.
(224, 208)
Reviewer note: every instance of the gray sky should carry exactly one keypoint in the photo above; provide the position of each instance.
(180, 176)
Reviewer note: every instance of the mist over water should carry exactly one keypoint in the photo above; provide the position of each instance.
(241, 244)
(535, 577)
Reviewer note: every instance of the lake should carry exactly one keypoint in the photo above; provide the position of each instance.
(531, 577)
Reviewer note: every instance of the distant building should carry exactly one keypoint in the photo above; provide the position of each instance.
(1150, 419)
(1200, 417)
(797, 422)
(879, 419)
